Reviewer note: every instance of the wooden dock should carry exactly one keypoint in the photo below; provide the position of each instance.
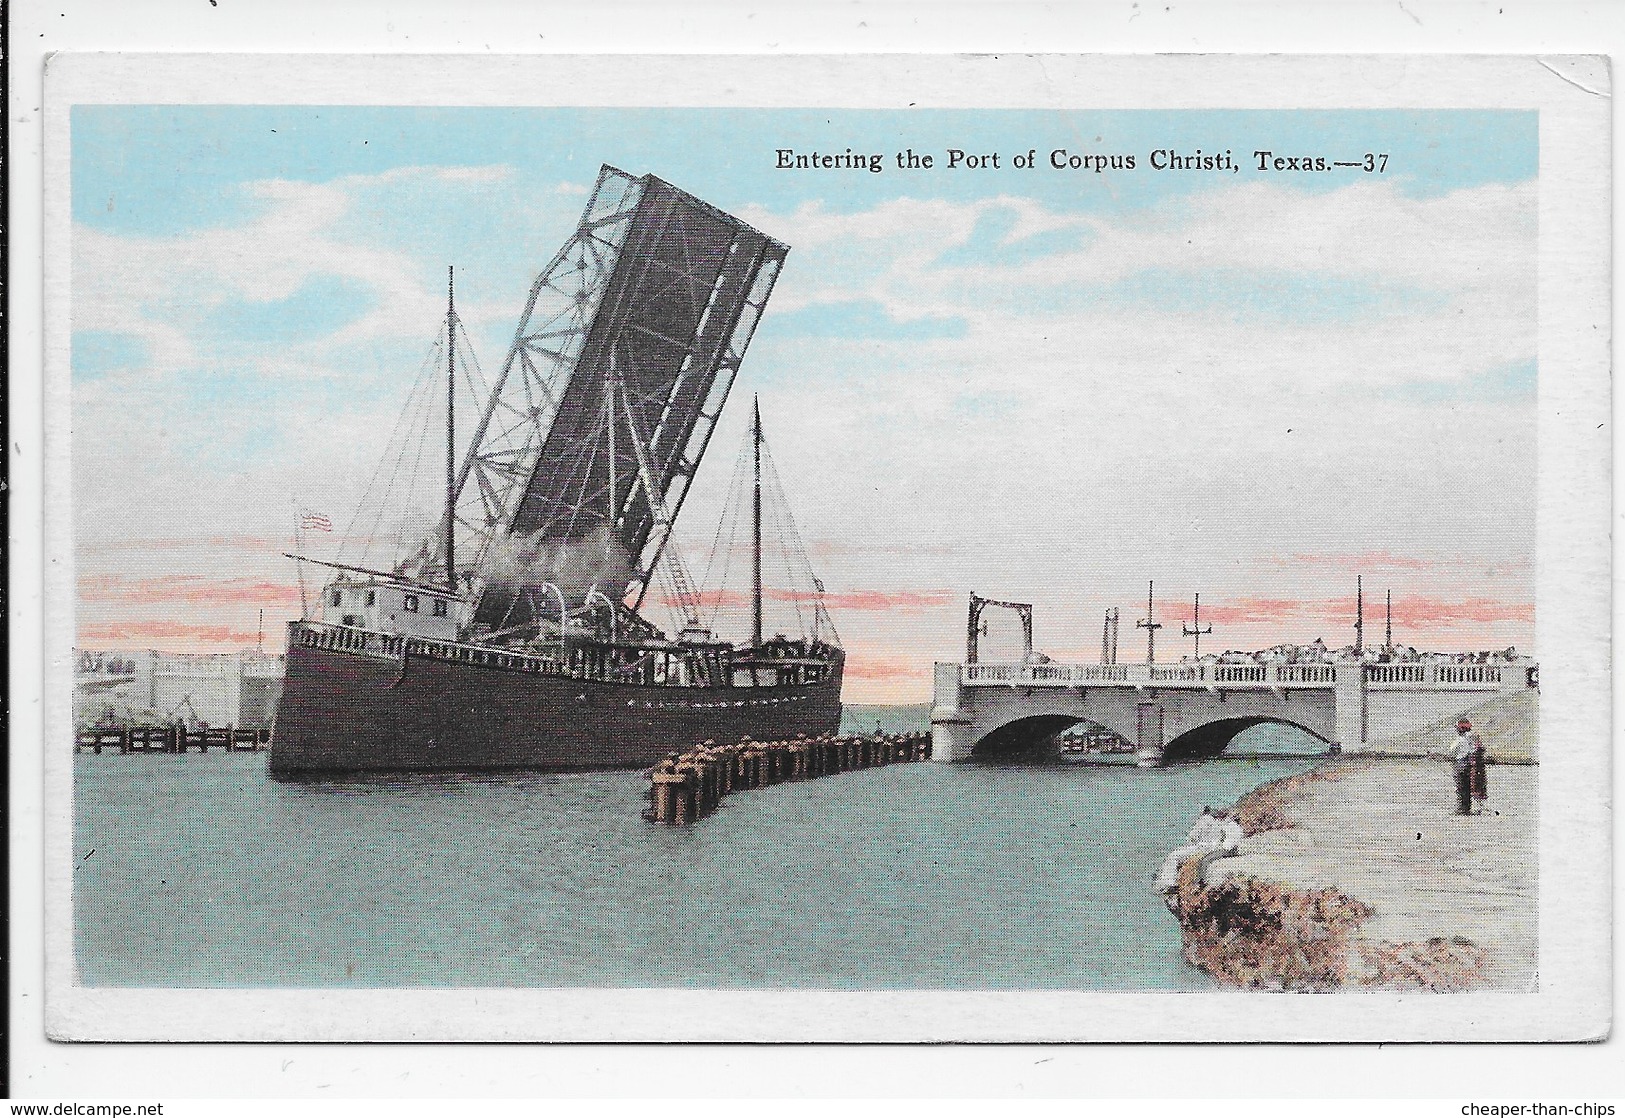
(686, 787)
(169, 739)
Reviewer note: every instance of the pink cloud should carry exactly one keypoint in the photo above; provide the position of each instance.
(879, 601)
(1422, 611)
(886, 668)
(185, 588)
(1416, 610)
(172, 635)
(1246, 611)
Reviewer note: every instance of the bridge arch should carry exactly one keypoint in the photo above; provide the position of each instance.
(1031, 736)
(1210, 739)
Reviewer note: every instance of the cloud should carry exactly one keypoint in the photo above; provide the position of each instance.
(1411, 610)
(1422, 612)
(1250, 611)
(159, 289)
(178, 636)
(887, 669)
(848, 601)
(185, 588)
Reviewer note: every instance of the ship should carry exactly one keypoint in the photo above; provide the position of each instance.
(514, 634)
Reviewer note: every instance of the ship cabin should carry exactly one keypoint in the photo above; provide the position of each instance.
(385, 605)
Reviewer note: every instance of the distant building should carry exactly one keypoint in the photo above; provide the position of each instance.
(218, 689)
(1318, 653)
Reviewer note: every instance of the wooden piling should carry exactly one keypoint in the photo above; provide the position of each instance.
(686, 787)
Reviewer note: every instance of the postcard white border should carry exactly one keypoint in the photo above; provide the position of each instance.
(1573, 561)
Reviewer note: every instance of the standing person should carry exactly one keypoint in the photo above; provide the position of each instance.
(1461, 766)
(1478, 778)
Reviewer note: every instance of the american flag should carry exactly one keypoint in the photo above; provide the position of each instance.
(314, 522)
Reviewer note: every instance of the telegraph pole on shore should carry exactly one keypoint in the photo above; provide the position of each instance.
(1194, 629)
(1388, 626)
(1149, 622)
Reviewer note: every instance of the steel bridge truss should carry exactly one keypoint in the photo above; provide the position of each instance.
(628, 346)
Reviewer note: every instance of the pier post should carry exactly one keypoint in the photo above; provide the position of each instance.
(665, 799)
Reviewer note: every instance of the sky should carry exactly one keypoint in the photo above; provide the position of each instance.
(1037, 383)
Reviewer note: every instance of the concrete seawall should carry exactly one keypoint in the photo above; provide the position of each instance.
(1357, 875)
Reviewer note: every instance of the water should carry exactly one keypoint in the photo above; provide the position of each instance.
(200, 871)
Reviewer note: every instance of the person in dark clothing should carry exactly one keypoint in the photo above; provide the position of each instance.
(1461, 766)
(1478, 779)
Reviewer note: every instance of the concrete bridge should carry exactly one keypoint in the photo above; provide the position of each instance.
(1179, 711)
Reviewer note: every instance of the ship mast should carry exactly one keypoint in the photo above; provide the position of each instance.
(451, 430)
(756, 525)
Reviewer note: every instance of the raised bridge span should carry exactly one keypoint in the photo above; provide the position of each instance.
(1177, 711)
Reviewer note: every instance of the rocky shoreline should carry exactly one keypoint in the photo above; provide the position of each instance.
(1355, 876)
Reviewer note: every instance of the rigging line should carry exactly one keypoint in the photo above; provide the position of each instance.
(779, 513)
(729, 522)
(413, 491)
(428, 546)
(731, 508)
(399, 432)
(386, 498)
(800, 550)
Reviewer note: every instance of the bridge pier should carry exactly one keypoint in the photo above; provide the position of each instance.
(950, 726)
(1351, 705)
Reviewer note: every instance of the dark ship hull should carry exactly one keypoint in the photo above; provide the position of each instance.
(388, 704)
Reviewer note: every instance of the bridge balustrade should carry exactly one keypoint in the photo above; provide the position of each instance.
(1191, 673)
(1321, 676)
(1305, 673)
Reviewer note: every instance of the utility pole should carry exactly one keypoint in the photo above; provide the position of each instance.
(1194, 629)
(1149, 622)
(1108, 638)
(259, 644)
(451, 429)
(1388, 627)
(1359, 616)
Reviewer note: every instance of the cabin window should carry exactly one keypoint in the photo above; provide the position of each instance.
(411, 603)
(372, 597)
(338, 597)
(440, 607)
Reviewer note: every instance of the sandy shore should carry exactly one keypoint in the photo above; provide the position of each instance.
(1358, 874)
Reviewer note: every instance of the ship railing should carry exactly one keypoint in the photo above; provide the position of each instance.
(396, 646)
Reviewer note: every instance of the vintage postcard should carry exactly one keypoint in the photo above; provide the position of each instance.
(846, 549)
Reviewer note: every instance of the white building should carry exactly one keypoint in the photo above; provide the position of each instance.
(220, 689)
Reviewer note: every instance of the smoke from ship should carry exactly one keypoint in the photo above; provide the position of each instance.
(517, 563)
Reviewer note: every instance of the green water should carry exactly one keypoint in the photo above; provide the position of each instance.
(200, 871)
